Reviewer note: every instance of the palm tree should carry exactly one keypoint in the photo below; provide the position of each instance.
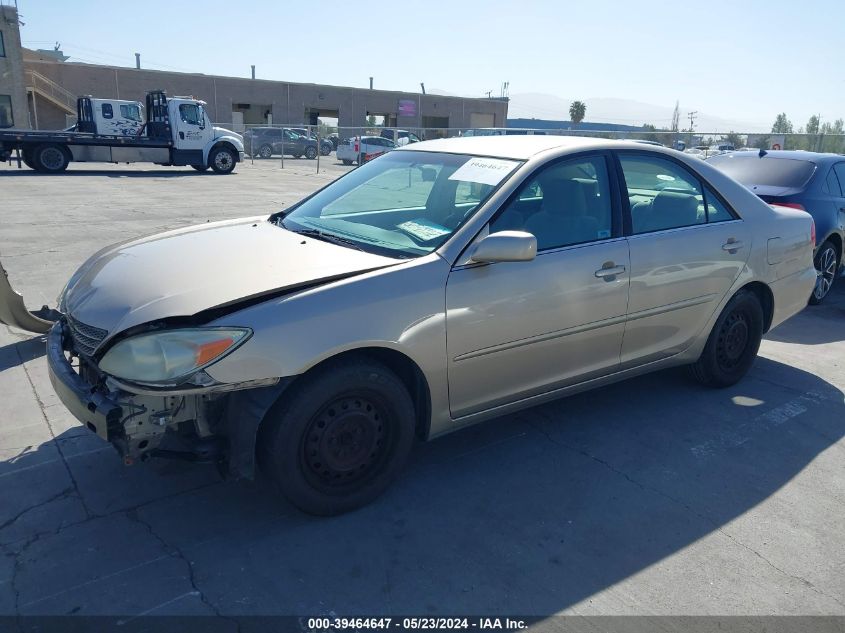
(577, 111)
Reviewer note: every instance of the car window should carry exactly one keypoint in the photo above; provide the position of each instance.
(404, 204)
(765, 171)
(716, 210)
(839, 168)
(130, 111)
(190, 113)
(565, 203)
(107, 110)
(662, 194)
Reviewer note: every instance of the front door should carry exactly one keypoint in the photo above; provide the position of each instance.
(687, 249)
(519, 329)
(192, 127)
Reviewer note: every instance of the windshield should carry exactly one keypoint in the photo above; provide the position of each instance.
(403, 204)
(767, 172)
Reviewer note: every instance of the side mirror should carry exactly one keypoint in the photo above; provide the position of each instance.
(505, 246)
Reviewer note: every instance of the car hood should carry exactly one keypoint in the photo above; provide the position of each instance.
(183, 272)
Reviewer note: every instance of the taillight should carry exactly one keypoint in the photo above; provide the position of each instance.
(812, 231)
(791, 205)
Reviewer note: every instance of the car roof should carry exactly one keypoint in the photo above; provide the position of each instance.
(517, 146)
(811, 157)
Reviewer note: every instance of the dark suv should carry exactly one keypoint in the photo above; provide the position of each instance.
(326, 146)
(265, 142)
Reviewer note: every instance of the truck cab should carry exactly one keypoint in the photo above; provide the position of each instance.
(114, 117)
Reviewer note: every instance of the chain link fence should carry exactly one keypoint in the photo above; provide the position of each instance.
(352, 146)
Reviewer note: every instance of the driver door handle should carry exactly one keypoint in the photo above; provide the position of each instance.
(732, 246)
(609, 273)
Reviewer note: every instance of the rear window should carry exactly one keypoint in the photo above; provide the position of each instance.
(767, 172)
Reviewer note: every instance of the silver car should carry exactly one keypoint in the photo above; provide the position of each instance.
(442, 284)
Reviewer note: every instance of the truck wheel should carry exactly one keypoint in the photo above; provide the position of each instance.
(222, 160)
(50, 158)
(310, 152)
(339, 439)
(265, 151)
(200, 167)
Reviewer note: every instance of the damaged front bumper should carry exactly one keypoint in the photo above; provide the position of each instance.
(193, 424)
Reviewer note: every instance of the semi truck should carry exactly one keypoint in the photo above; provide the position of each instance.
(177, 131)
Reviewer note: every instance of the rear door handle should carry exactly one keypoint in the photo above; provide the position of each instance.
(732, 246)
(609, 272)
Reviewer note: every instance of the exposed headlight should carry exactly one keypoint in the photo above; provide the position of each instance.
(170, 356)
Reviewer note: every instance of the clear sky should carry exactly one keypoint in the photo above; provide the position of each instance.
(739, 59)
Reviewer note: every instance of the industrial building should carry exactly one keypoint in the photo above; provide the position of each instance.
(42, 88)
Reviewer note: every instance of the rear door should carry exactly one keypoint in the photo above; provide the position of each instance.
(519, 329)
(687, 248)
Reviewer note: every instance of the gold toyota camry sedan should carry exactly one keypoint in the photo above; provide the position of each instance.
(442, 284)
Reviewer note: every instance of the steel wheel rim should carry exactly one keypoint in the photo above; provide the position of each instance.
(345, 443)
(825, 273)
(734, 337)
(222, 160)
(52, 158)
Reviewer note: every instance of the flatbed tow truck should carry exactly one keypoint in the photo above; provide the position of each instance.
(177, 131)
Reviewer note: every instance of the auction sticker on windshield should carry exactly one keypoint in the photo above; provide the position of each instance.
(486, 171)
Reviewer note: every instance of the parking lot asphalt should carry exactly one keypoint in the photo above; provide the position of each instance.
(652, 497)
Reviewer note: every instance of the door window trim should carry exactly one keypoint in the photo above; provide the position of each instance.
(702, 181)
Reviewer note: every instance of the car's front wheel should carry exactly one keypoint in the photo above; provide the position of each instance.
(340, 437)
(733, 343)
(827, 265)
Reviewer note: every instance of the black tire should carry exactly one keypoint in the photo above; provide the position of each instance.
(265, 151)
(50, 158)
(325, 150)
(826, 262)
(200, 167)
(733, 344)
(347, 162)
(339, 438)
(222, 160)
(310, 152)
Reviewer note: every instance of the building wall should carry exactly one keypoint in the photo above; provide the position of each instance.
(288, 102)
(11, 67)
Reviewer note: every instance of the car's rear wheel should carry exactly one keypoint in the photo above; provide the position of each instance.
(310, 152)
(50, 158)
(338, 440)
(827, 265)
(265, 151)
(325, 150)
(347, 162)
(733, 343)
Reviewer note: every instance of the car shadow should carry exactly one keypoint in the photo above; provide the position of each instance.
(816, 324)
(15, 354)
(531, 513)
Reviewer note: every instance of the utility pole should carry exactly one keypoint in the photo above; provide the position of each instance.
(692, 116)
